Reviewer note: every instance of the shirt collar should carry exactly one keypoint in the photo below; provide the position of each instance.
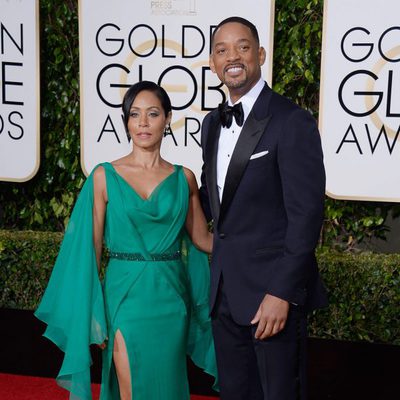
(250, 97)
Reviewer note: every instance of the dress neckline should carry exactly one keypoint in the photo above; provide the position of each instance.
(159, 184)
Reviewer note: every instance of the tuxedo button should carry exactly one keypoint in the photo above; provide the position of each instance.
(222, 235)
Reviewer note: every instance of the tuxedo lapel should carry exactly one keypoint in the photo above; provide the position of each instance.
(211, 160)
(254, 127)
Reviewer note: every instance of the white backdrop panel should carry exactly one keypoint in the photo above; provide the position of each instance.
(360, 99)
(124, 41)
(19, 90)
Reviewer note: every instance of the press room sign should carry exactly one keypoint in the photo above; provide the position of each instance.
(125, 41)
(360, 99)
(19, 89)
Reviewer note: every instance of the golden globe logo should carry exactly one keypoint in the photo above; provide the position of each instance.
(371, 92)
(193, 88)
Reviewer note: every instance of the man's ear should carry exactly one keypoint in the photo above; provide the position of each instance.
(261, 56)
(211, 62)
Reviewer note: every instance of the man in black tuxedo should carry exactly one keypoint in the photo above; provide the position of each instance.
(263, 185)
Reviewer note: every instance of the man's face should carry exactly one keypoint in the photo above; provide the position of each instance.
(236, 58)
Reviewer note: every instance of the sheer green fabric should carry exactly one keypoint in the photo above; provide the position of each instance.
(159, 307)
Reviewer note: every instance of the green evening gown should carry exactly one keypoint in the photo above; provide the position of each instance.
(155, 292)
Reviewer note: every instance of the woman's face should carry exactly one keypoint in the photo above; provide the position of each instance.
(147, 120)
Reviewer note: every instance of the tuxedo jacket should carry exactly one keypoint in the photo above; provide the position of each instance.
(268, 223)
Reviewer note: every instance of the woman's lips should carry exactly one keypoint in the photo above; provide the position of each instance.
(143, 135)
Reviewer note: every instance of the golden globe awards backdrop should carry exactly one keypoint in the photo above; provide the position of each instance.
(360, 99)
(19, 90)
(125, 41)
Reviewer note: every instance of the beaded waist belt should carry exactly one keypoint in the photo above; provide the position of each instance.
(139, 257)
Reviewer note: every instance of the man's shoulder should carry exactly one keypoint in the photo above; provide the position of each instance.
(205, 125)
(287, 107)
(210, 115)
(280, 101)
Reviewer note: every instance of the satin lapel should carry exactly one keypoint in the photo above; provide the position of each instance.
(251, 133)
(211, 160)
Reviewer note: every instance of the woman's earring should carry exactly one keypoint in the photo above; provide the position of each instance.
(168, 130)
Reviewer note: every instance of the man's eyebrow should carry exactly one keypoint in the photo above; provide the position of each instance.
(237, 41)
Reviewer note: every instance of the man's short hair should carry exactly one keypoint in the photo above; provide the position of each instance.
(239, 20)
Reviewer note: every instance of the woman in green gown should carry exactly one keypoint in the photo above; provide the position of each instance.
(152, 308)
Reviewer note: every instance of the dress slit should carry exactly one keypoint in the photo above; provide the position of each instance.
(122, 348)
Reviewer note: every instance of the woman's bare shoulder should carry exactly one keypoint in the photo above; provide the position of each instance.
(189, 173)
(190, 177)
(99, 178)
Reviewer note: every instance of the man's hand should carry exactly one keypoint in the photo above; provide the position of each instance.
(271, 316)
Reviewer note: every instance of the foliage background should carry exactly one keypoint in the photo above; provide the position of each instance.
(45, 202)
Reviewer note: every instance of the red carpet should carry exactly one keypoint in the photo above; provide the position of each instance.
(18, 387)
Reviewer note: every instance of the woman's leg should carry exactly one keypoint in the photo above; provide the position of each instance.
(122, 367)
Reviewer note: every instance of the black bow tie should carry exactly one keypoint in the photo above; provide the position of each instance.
(226, 112)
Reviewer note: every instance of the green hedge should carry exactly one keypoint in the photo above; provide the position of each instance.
(26, 260)
(364, 289)
(364, 297)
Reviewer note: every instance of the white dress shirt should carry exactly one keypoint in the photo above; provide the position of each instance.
(229, 136)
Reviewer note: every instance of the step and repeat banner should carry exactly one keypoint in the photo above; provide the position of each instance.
(360, 99)
(19, 90)
(123, 42)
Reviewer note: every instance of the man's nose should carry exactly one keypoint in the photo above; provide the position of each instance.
(233, 54)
